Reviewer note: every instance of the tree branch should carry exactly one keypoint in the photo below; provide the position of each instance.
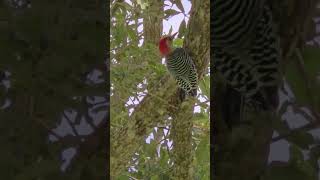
(154, 109)
(198, 45)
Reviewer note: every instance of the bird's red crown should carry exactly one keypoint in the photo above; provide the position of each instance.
(165, 44)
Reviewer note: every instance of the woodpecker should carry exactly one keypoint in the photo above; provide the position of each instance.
(180, 66)
(246, 50)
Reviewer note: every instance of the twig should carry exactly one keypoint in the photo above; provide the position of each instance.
(71, 124)
(307, 127)
(47, 128)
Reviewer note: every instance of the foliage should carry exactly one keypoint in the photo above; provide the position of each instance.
(48, 49)
(301, 71)
(136, 67)
(301, 74)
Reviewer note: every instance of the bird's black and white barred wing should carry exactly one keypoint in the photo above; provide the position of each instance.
(181, 66)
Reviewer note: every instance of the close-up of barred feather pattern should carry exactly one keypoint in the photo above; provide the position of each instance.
(246, 49)
(181, 66)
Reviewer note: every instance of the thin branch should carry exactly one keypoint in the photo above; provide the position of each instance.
(307, 127)
(44, 124)
(71, 124)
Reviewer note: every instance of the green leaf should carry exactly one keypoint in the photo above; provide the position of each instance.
(170, 12)
(296, 155)
(164, 157)
(123, 177)
(201, 118)
(298, 81)
(179, 5)
(205, 86)
(177, 42)
(182, 28)
(302, 139)
(311, 56)
(203, 150)
(151, 149)
(314, 156)
(155, 177)
(161, 111)
(202, 160)
(297, 160)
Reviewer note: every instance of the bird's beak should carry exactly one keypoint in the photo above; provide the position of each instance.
(173, 35)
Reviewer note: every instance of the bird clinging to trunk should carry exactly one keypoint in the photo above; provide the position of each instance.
(180, 66)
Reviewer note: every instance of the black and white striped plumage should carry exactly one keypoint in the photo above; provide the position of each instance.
(182, 68)
(246, 49)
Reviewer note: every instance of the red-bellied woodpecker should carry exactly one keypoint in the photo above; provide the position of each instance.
(180, 66)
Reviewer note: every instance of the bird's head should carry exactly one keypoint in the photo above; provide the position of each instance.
(165, 44)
